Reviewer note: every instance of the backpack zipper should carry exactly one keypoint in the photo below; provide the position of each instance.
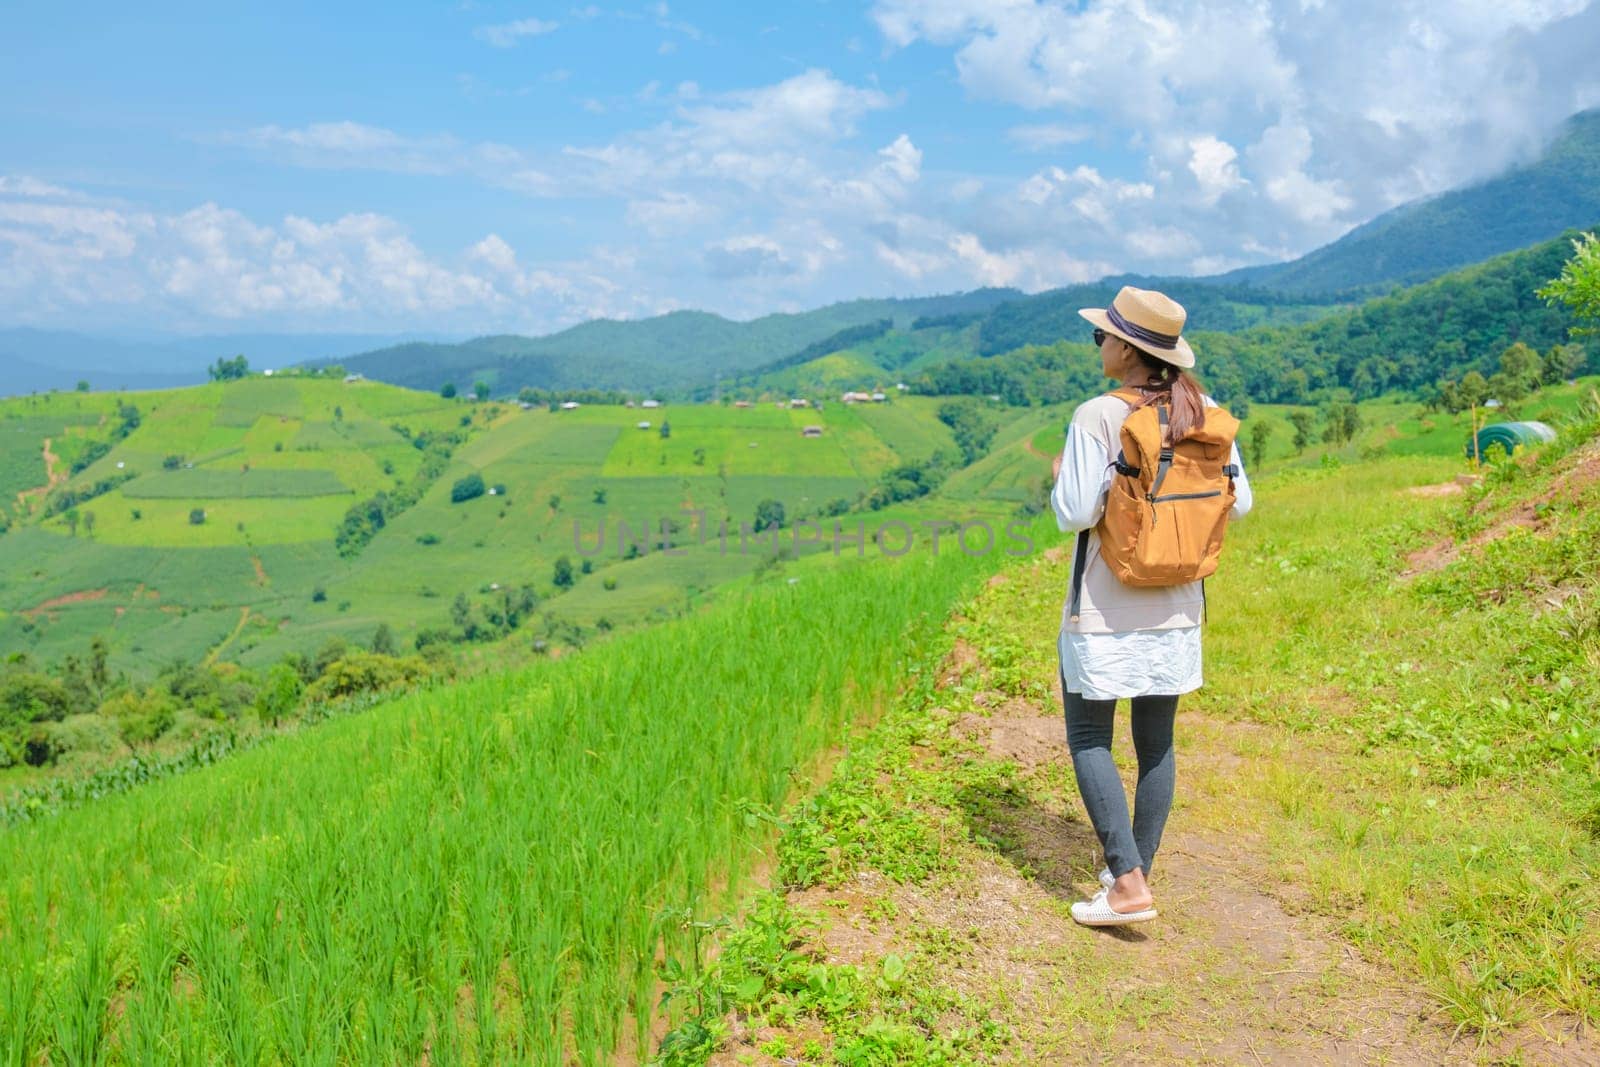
(1155, 516)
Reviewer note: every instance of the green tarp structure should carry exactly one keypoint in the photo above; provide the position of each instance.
(1511, 435)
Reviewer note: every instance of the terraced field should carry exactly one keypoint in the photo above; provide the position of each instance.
(228, 496)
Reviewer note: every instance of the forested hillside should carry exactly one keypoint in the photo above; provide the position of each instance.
(1410, 340)
(1423, 239)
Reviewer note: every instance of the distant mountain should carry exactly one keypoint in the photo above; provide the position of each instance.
(1410, 339)
(39, 360)
(667, 352)
(1424, 239)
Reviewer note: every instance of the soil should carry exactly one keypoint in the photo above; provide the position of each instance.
(80, 597)
(1237, 969)
(52, 477)
(1528, 515)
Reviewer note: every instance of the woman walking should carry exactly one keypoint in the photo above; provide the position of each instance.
(1120, 641)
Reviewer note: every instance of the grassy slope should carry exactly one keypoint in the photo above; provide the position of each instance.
(521, 840)
(1408, 761)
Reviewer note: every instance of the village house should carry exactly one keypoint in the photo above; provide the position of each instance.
(811, 431)
(799, 402)
(644, 425)
(570, 405)
(855, 398)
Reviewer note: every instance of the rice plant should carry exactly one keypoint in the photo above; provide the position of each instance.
(469, 874)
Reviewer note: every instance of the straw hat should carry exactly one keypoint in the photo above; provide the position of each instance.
(1147, 320)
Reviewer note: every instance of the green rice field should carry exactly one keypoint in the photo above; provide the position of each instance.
(475, 873)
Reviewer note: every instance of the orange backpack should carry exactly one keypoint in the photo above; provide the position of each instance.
(1168, 506)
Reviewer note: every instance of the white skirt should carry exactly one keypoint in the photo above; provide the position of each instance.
(1133, 664)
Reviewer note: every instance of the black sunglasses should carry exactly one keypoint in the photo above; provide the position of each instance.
(1099, 337)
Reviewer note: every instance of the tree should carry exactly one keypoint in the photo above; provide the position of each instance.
(562, 573)
(1520, 369)
(171, 462)
(666, 429)
(383, 640)
(228, 370)
(88, 523)
(599, 496)
(197, 516)
(480, 389)
(769, 515)
(1260, 432)
(1472, 390)
(1563, 362)
(460, 611)
(83, 386)
(1303, 422)
(467, 488)
(279, 696)
(448, 390)
(72, 518)
(555, 501)
(1578, 285)
(1350, 421)
(99, 664)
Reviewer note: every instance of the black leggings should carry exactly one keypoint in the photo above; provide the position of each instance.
(1089, 726)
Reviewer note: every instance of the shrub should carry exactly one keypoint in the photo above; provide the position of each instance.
(365, 672)
(318, 595)
(608, 583)
(197, 516)
(467, 488)
(428, 539)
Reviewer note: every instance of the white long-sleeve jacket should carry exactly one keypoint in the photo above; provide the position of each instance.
(1079, 499)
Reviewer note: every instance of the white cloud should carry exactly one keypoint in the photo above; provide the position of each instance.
(1282, 122)
(1214, 164)
(61, 254)
(510, 34)
(356, 146)
(1047, 136)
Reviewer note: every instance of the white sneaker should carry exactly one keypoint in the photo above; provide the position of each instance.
(1098, 912)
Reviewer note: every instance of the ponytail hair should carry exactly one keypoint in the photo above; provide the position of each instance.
(1178, 389)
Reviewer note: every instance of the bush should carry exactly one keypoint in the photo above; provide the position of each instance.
(608, 583)
(197, 516)
(428, 539)
(467, 488)
(365, 672)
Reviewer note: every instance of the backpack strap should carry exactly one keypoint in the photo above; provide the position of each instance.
(1078, 561)
(1166, 452)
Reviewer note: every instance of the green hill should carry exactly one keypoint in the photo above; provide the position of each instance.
(1532, 202)
(1408, 340)
(663, 354)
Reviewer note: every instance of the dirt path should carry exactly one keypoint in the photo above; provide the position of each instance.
(244, 617)
(1239, 968)
(52, 477)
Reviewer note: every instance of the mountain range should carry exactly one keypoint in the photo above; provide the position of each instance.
(685, 352)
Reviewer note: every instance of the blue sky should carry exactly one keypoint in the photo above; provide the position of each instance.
(482, 167)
